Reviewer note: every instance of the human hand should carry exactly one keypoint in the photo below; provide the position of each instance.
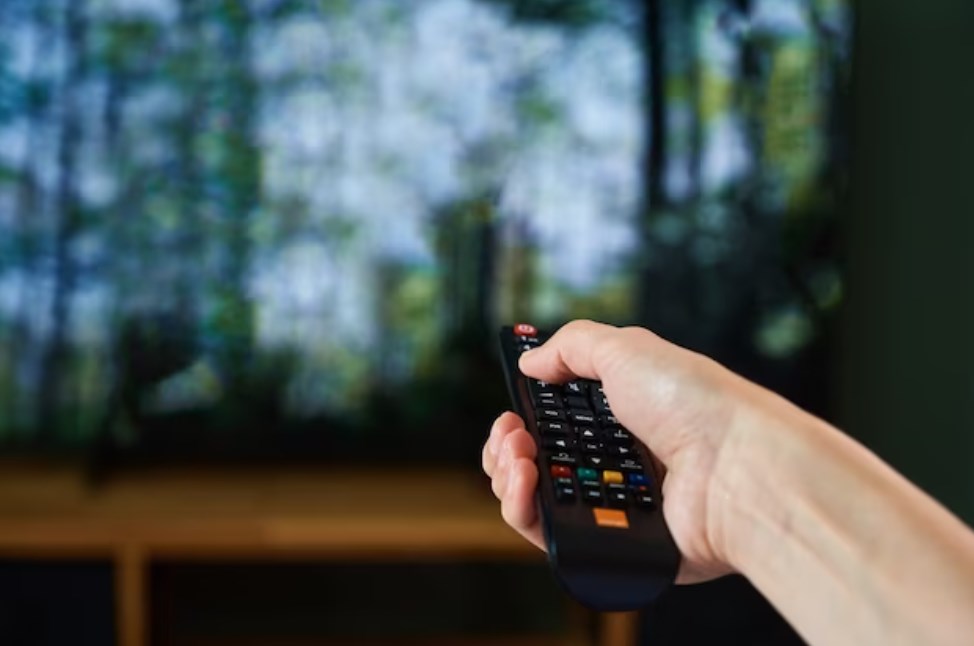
(814, 520)
(680, 404)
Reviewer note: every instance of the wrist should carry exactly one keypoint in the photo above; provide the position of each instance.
(806, 513)
(760, 473)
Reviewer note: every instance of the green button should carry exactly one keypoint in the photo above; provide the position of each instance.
(588, 474)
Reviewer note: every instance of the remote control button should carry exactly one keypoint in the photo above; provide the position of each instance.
(587, 475)
(547, 400)
(616, 495)
(528, 340)
(591, 494)
(587, 434)
(638, 480)
(602, 405)
(564, 482)
(554, 428)
(608, 420)
(577, 403)
(576, 389)
(619, 436)
(544, 394)
(596, 390)
(612, 477)
(581, 417)
(611, 518)
(629, 464)
(558, 443)
(560, 471)
(644, 499)
(622, 451)
(591, 448)
(550, 414)
(525, 329)
(565, 493)
(596, 461)
(538, 387)
(562, 458)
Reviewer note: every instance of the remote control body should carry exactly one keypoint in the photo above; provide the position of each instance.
(598, 493)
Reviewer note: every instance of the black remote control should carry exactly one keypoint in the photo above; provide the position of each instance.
(598, 494)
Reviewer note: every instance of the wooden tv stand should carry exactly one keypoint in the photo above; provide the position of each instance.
(47, 512)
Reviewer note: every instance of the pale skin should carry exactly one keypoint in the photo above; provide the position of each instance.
(848, 550)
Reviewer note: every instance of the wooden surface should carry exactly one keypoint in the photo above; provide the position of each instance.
(214, 514)
(131, 597)
(50, 512)
(619, 629)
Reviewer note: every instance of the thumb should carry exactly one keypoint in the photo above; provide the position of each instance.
(572, 352)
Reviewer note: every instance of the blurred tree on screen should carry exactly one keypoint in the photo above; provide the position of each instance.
(277, 214)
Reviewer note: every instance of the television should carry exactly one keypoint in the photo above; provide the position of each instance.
(291, 228)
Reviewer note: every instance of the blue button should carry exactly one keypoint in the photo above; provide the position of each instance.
(638, 479)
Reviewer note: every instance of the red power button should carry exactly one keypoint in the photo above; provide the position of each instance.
(524, 329)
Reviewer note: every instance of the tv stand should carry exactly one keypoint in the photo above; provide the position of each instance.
(135, 519)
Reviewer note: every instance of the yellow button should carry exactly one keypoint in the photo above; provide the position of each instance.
(612, 477)
(611, 518)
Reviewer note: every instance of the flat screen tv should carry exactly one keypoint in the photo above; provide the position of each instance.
(290, 228)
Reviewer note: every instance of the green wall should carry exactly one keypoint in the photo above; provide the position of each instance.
(907, 370)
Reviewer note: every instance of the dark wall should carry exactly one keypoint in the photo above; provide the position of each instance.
(907, 356)
(905, 382)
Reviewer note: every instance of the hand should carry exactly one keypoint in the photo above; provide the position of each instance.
(681, 404)
(847, 549)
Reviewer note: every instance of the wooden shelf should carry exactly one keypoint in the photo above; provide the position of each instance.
(48, 512)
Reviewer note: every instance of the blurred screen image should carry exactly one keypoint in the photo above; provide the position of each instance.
(283, 218)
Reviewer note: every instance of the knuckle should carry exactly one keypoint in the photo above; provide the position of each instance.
(635, 332)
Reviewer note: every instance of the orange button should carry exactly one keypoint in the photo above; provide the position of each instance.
(612, 477)
(524, 329)
(611, 518)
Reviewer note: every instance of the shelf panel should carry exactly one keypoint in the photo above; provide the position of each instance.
(211, 514)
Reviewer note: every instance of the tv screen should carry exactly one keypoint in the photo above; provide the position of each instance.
(294, 225)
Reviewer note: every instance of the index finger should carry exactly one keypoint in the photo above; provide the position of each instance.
(572, 352)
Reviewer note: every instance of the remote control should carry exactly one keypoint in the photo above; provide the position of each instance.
(598, 493)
